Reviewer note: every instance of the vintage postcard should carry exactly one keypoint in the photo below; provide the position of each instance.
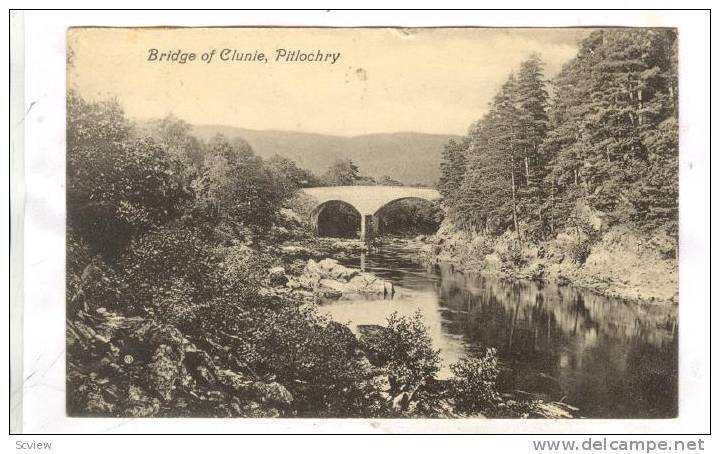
(372, 222)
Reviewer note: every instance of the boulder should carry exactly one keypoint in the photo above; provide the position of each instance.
(338, 286)
(273, 393)
(139, 404)
(343, 273)
(277, 277)
(369, 284)
(329, 294)
(233, 380)
(312, 269)
(296, 251)
(327, 265)
(329, 276)
(163, 370)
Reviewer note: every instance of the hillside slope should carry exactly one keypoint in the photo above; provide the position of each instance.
(410, 157)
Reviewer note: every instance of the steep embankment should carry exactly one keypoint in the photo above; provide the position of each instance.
(614, 261)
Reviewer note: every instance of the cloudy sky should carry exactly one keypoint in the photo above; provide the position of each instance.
(385, 80)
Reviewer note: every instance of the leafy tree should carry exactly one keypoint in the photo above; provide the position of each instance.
(342, 172)
(288, 169)
(99, 124)
(364, 180)
(118, 186)
(175, 135)
(114, 196)
(236, 186)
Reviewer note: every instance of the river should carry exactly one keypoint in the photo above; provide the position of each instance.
(609, 358)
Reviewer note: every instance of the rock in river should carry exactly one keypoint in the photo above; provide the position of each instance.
(328, 274)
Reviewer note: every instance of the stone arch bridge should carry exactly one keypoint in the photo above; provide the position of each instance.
(367, 200)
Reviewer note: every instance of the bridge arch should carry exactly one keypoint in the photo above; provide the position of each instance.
(400, 200)
(323, 225)
(411, 217)
(367, 200)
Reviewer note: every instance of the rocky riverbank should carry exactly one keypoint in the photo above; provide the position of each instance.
(616, 262)
(150, 365)
(135, 367)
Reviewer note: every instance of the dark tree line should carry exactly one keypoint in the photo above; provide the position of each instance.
(603, 132)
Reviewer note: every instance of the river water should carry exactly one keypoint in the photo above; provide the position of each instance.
(609, 358)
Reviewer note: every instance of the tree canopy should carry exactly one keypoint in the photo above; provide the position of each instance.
(608, 136)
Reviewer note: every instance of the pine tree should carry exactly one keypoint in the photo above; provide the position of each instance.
(609, 139)
(530, 99)
(481, 201)
(452, 167)
(614, 126)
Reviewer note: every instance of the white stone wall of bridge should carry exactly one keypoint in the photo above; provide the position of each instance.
(367, 200)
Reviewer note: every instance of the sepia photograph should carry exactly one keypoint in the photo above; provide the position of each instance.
(307, 222)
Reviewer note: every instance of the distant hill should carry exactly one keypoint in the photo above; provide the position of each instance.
(409, 157)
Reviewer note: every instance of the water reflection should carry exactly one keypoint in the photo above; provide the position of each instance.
(605, 356)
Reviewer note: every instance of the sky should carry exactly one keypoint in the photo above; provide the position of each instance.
(384, 80)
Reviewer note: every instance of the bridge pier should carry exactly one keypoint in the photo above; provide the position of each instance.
(367, 226)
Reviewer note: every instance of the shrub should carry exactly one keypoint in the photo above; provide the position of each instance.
(157, 263)
(579, 250)
(315, 358)
(480, 247)
(405, 350)
(474, 384)
(117, 192)
(513, 256)
(239, 272)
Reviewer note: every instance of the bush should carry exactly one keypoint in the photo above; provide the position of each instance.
(90, 282)
(513, 256)
(118, 192)
(474, 385)
(480, 247)
(239, 272)
(315, 358)
(580, 250)
(404, 350)
(170, 258)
